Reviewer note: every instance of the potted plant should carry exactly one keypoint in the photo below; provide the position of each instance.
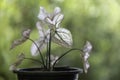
(49, 31)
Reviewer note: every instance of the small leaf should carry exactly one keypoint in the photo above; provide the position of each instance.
(26, 33)
(57, 10)
(88, 47)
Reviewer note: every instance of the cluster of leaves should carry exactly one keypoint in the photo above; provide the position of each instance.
(50, 31)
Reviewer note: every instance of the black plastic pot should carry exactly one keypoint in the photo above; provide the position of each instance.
(59, 73)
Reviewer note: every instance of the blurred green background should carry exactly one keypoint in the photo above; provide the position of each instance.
(95, 20)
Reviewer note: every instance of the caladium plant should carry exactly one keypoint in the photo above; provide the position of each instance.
(50, 30)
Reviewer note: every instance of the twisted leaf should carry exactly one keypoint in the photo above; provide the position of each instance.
(20, 58)
(25, 36)
(86, 53)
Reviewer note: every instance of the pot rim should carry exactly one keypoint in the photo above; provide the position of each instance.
(58, 70)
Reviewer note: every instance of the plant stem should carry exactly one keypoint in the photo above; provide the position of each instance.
(47, 56)
(49, 52)
(43, 63)
(65, 54)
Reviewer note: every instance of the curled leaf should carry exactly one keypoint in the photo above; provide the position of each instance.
(17, 42)
(25, 36)
(87, 47)
(86, 53)
(20, 58)
(26, 33)
(86, 66)
(56, 19)
(53, 59)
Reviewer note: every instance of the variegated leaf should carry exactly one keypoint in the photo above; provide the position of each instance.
(63, 37)
(38, 44)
